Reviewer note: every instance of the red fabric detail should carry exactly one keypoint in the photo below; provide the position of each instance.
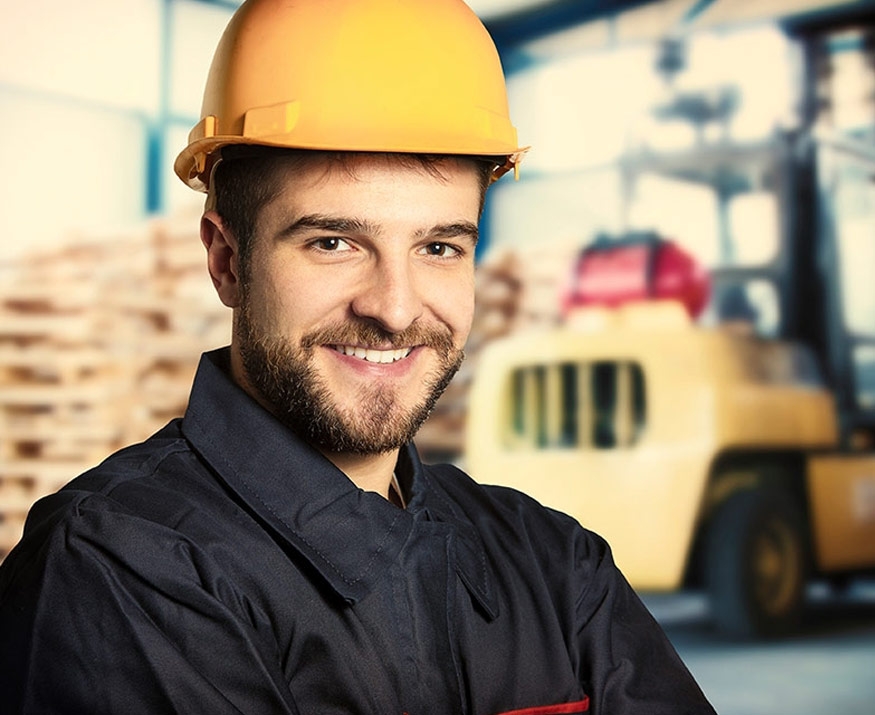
(581, 706)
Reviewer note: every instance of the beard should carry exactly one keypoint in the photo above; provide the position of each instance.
(286, 377)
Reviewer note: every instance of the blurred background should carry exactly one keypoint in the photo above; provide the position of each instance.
(675, 337)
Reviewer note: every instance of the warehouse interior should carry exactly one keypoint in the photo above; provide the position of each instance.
(105, 305)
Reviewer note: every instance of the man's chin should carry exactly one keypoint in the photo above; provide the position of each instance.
(377, 429)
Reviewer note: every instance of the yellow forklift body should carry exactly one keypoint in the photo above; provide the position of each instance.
(842, 489)
(633, 462)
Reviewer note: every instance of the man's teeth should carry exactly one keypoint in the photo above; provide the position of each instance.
(381, 356)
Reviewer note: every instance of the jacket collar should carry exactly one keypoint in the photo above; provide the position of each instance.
(348, 535)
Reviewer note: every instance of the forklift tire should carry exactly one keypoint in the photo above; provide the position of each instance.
(755, 568)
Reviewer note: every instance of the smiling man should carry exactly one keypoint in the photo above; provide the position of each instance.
(281, 548)
(363, 298)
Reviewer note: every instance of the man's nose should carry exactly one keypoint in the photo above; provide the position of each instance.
(389, 295)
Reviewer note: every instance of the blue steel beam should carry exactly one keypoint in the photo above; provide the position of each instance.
(156, 131)
(511, 31)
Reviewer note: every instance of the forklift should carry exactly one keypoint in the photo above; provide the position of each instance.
(716, 425)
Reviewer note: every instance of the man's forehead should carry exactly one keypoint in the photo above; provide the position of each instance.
(298, 183)
(355, 165)
(333, 180)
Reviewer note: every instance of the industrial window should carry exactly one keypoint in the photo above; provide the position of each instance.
(587, 405)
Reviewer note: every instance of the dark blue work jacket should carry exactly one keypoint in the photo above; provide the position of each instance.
(223, 566)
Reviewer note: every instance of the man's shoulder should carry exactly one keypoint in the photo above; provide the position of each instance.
(494, 508)
(136, 472)
(146, 482)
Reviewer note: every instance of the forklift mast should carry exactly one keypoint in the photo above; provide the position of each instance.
(809, 170)
(830, 170)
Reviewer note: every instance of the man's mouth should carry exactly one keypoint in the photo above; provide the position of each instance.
(372, 355)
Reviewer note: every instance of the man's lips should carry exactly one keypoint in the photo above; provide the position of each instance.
(374, 355)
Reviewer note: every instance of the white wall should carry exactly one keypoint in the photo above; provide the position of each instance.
(80, 90)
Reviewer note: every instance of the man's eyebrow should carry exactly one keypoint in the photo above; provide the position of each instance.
(347, 224)
(453, 230)
(332, 224)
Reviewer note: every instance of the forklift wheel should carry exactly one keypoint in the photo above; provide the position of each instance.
(756, 564)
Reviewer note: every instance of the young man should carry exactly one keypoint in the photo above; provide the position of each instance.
(281, 549)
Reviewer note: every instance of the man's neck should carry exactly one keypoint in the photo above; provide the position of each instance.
(373, 473)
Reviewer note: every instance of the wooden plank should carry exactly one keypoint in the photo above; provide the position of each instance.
(88, 394)
(47, 358)
(14, 325)
(51, 474)
(48, 431)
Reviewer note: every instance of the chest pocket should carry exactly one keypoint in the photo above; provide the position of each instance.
(576, 708)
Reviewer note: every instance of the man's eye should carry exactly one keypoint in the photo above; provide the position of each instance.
(331, 244)
(441, 250)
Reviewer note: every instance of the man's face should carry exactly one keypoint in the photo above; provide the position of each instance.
(358, 297)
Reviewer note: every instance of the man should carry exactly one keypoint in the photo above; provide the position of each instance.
(281, 549)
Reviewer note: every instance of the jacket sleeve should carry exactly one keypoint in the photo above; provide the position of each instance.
(626, 661)
(104, 612)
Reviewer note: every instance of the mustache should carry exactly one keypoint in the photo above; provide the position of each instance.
(366, 333)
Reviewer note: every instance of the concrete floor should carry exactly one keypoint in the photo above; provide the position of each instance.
(827, 668)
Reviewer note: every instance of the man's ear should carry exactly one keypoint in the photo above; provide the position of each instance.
(222, 258)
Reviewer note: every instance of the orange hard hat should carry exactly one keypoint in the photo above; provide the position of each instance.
(412, 76)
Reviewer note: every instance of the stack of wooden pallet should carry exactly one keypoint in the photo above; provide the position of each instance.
(168, 326)
(98, 342)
